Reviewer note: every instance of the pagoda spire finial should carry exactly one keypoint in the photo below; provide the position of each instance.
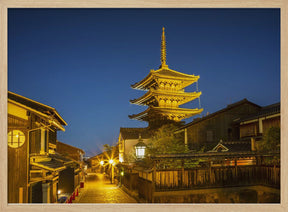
(163, 50)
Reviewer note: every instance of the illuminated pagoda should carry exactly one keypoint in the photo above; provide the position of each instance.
(165, 93)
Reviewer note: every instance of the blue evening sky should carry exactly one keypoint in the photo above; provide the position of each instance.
(83, 61)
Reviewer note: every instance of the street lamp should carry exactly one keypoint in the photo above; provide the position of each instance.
(140, 148)
(111, 161)
(101, 166)
(121, 176)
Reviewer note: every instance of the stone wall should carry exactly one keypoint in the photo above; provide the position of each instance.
(249, 194)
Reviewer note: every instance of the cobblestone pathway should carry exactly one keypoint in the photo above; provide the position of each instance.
(97, 189)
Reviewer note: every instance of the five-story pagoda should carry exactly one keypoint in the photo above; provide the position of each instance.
(165, 93)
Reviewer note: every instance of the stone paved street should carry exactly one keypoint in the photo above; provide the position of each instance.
(97, 189)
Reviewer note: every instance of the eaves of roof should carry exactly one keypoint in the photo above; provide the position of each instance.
(264, 112)
(229, 107)
(45, 109)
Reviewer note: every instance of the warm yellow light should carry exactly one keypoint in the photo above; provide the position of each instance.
(101, 162)
(122, 173)
(111, 161)
(17, 136)
(59, 191)
(120, 160)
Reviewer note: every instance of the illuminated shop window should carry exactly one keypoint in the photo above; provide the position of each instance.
(16, 138)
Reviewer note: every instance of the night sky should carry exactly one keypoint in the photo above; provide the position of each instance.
(83, 61)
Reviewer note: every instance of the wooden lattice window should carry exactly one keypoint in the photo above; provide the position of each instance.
(16, 138)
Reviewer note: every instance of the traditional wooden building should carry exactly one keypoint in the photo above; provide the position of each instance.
(32, 132)
(34, 166)
(165, 94)
(254, 126)
(70, 178)
(239, 153)
(72, 152)
(217, 126)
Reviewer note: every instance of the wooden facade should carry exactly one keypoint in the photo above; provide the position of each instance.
(77, 165)
(259, 123)
(255, 126)
(34, 166)
(18, 163)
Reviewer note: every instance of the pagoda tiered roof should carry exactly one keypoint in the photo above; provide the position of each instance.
(165, 93)
(176, 114)
(155, 95)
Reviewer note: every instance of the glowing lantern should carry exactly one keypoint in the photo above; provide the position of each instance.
(140, 148)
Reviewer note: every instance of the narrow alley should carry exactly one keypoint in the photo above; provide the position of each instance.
(98, 189)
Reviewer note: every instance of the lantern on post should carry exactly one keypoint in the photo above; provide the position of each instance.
(140, 148)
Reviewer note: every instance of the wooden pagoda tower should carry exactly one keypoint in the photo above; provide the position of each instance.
(165, 93)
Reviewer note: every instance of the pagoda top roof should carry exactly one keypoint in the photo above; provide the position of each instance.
(164, 73)
(169, 72)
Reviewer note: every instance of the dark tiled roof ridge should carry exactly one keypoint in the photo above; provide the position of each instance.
(230, 106)
(235, 142)
(70, 146)
(43, 108)
(272, 105)
(12, 94)
(265, 111)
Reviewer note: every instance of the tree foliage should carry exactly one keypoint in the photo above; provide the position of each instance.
(107, 148)
(165, 141)
(111, 152)
(271, 140)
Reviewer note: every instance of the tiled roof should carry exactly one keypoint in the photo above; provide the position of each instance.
(265, 111)
(45, 109)
(229, 107)
(238, 146)
(70, 146)
(133, 133)
(60, 157)
(233, 146)
(52, 165)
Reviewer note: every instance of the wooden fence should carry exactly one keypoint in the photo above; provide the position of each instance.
(145, 189)
(214, 177)
(130, 181)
